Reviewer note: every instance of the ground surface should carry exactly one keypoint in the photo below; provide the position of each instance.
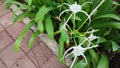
(40, 56)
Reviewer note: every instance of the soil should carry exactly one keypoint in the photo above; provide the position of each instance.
(115, 61)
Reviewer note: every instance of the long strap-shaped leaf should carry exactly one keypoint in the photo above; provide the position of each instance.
(32, 39)
(40, 25)
(21, 16)
(61, 49)
(112, 16)
(107, 24)
(104, 62)
(42, 12)
(49, 27)
(21, 36)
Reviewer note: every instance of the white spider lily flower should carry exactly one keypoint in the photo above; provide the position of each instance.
(92, 37)
(79, 50)
(74, 8)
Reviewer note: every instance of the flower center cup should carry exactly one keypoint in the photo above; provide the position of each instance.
(75, 8)
(78, 51)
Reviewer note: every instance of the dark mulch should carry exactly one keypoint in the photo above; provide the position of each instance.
(115, 61)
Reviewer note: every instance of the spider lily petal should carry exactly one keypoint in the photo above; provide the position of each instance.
(84, 58)
(63, 12)
(66, 21)
(64, 4)
(86, 15)
(92, 37)
(73, 62)
(91, 47)
(86, 3)
(64, 56)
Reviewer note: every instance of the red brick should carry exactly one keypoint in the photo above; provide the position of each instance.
(53, 63)
(16, 29)
(9, 56)
(40, 55)
(24, 63)
(1, 28)
(6, 20)
(47, 52)
(32, 56)
(5, 40)
(2, 65)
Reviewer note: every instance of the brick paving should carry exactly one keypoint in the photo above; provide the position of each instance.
(40, 56)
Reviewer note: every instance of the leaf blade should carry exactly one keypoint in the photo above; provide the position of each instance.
(42, 12)
(32, 39)
(21, 36)
(49, 27)
(104, 62)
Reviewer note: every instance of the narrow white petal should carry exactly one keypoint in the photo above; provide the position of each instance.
(86, 3)
(68, 51)
(84, 58)
(91, 47)
(66, 55)
(73, 61)
(86, 15)
(83, 42)
(63, 12)
(66, 22)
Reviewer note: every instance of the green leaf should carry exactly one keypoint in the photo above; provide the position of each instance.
(104, 62)
(113, 16)
(81, 64)
(115, 46)
(49, 26)
(65, 36)
(29, 2)
(32, 39)
(61, 49)
(21, 36)
(101, 40)
(94, 57)
(42, 12)
(21, 16)
(105, 8)
(16, 2)
(107, 24)
(40, 25)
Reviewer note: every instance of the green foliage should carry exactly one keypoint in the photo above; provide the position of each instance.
(32, 39)
(44, 14)
(49, 26)
(104, 62)
(21, 36)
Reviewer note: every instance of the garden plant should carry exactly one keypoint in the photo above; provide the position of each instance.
(86, 30)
